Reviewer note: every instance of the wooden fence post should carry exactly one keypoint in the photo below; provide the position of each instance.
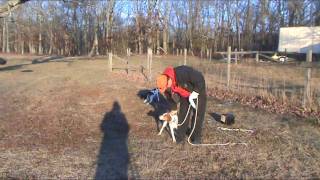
(307, 82)
(128, 52)
(127, 63)
(185, 56)
(257, 56)
(110, 61)
(241, 56)
(210, 54)
(236, 55)
(229, 67)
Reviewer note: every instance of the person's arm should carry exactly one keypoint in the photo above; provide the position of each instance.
(172, 99)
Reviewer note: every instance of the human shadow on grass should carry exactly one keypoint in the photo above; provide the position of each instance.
(34, 61)
(46, 59)
(13, 67)
(113, 158)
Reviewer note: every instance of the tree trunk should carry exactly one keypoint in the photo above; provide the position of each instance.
(94, 50)
(222, 26)
(10, 5)
(151, 5)
(165, 41)
(315, 15)
(40, 50)
(292, 12)
(20, 42)
(139, 33)
(173, 44)
(248, 26)
(190, 27)
(262, 16)
(4, 35)
(85, 36)
(51, 41)
(31, 47)
(158, 41)
(109, 23)
(140, 43)
(75, 34)
(7, 37)
(22, 47)
(165, 28)
(238, 28)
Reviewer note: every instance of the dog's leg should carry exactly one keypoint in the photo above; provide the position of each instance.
(163, 126)
(172, 134)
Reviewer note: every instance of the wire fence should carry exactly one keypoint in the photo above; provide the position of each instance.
(293, 83)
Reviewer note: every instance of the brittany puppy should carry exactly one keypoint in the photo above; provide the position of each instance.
(170, 118)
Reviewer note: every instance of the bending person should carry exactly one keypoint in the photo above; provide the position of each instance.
(185, 85)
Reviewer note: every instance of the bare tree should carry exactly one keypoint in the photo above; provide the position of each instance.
(4, 35)
(10, 6)
(40, 19)
(165, 35)
(109, 17)
(96, 27)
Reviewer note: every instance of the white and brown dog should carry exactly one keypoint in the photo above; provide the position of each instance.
(170, 118)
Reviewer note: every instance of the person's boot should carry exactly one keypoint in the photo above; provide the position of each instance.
(179, 138)
(196, 140)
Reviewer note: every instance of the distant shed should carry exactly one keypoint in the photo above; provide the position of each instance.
(299, 39)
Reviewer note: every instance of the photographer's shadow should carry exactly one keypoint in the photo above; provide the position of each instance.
(113, 158)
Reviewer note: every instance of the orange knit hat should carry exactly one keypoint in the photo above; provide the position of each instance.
(162, 81)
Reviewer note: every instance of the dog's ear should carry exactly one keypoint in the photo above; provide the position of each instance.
(161, 117)
(165, 117)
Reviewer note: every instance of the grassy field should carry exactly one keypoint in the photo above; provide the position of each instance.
(71, 118)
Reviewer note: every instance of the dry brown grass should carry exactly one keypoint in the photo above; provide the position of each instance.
(50, 122)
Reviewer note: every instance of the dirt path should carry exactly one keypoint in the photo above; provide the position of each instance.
(73, 119)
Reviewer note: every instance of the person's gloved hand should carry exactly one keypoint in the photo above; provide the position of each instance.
(194, 95)
(152, 96)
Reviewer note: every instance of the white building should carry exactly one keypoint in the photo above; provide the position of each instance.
(299, 39)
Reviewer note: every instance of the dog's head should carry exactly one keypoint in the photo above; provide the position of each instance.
(165, 117)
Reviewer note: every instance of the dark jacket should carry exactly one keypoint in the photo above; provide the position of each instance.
(189, 79)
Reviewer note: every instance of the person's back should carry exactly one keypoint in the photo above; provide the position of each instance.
(190, 79)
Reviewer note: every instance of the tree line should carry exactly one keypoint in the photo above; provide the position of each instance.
(92, 27)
